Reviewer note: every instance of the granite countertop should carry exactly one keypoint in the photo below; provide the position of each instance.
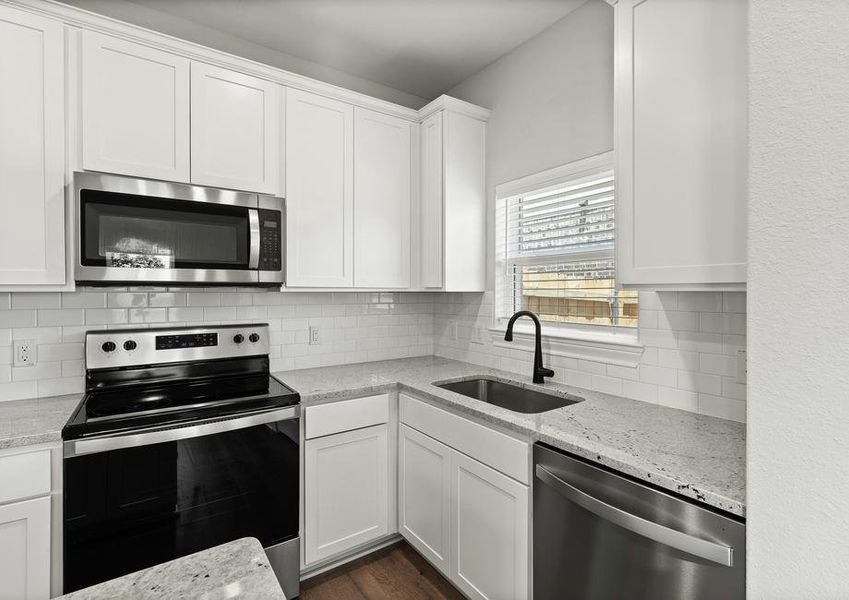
(237, 569)
(35, 421)
(697, 456)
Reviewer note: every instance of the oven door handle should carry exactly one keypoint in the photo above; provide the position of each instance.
(704, 549)
(253, 222)
(158, 436)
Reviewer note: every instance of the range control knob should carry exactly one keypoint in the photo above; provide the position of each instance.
(108, 347)
(254, 338)
(238, 338)
(130, 345)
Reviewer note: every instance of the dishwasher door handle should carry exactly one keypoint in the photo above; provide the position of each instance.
(705, 549)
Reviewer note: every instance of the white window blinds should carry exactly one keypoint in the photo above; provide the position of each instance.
(555, 251)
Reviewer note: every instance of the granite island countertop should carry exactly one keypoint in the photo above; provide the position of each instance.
(35, 421)
(697, 456)
(237, 569)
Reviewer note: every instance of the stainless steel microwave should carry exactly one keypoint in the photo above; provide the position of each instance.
(142, 232)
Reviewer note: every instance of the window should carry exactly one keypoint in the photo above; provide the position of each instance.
(555, 249)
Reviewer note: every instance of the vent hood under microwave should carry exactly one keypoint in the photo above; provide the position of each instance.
(142, 232)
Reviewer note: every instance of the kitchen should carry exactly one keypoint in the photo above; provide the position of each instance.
(358, 300)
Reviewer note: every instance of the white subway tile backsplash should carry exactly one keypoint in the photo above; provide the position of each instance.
(37, 300)
(82, 299)
(58, 322)
(63, 316)
(105, 316)
(166, 299)
(699, 382)
(690, 343)
(689, 358)
(17, 318)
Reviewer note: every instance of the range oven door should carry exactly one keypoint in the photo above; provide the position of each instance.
(141, 231)
(134, 501)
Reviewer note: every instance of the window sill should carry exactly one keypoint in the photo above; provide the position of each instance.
(611, 348)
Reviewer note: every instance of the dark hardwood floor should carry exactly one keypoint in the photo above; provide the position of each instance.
(395, 572)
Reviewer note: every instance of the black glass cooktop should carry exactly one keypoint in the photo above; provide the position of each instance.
(128, 399)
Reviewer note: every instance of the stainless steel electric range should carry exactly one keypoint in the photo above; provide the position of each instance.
(182, 441)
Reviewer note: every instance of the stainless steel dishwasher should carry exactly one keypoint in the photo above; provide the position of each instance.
(601, 536)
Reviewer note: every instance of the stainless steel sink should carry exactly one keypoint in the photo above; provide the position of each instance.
(511, 397)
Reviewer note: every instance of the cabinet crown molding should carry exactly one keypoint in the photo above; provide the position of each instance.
(455, 105)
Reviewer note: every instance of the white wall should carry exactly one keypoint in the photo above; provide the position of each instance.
(551, 100)
(353, 327)
(143, 16)
(798, 414)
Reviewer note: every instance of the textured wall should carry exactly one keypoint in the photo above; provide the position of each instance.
(353, 327)
(798, 415)
(689, 362)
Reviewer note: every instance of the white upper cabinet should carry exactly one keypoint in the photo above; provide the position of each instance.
(382, 197)
(236, 130)
(319, 191)
(431, 201)
(453, 202)
(135, 109)
(681, 145)
(32, 149)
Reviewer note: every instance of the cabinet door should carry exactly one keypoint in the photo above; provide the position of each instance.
(431, 201)
(319, 191)
(681, 144)
(135, 109)
(424, 495)
(489, 532)
(25, 548)
(464, 204)
(236, 134)
(381, 200)
(346, 481)
(32, 156)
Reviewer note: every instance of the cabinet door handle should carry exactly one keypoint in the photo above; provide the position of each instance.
(704, 549)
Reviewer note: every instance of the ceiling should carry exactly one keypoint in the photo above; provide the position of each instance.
(421, 47)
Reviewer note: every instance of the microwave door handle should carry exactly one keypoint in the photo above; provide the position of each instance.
(704, 549)
(253, 222)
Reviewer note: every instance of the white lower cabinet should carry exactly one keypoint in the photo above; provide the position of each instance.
(25, 548)
(468, 519)
(346, 487)
(424, 495)
(489, 525)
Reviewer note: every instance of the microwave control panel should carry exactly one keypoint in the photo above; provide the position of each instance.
(270, 240)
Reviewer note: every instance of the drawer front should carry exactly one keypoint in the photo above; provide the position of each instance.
(336, 417)
(24, 475)
(493, 448)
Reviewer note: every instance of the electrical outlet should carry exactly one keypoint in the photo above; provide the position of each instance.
(477, 335)
(24, 353)
(453, 330)
(314, 337)
(741, 366)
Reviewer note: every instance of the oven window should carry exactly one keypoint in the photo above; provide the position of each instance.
(133, 508)
(123, 230)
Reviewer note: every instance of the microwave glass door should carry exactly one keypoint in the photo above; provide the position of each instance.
(125, 230)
